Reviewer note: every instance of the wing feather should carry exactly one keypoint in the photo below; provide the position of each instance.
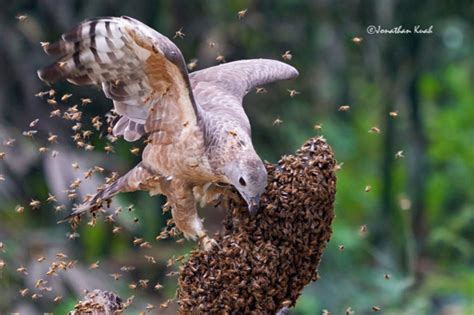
(142, 71)
(237, 78)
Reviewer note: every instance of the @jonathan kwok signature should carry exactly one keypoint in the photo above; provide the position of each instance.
(417, 29)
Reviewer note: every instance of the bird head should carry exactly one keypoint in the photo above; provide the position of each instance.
(249, 177)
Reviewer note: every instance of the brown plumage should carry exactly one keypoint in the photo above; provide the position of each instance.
(198, 133)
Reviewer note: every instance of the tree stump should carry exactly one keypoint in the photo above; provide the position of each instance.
(263, 262)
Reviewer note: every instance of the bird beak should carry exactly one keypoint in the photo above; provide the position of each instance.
(253, 204)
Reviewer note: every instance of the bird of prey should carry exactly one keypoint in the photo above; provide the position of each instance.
(198, 135)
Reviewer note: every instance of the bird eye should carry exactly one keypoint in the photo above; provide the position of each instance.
(242, 181)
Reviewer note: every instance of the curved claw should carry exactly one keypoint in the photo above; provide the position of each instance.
(207, 243)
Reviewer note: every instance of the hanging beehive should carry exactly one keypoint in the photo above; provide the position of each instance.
(263, 262)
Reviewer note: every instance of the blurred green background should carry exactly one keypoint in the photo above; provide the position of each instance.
(416, 256)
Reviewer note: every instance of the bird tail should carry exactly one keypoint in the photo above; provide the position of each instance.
(134, 180)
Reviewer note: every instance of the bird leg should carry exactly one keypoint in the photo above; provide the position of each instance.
(184, 211)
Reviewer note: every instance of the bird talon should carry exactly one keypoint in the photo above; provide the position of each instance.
(207, 243)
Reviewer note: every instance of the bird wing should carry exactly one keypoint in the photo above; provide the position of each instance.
(233, 80)
(142, 71)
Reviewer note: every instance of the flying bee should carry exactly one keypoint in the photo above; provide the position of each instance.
(150, 259)
(52, 101)
(55, 113)
(344, 108)
(34, 123)
(24, 292)
(109, 149)
(116, 276)
(357, 40)
(260, 90)
(165, 304)
(43, 93)
(94, 265)
(52, 138)
(374, 130)
(179, 34)
(277, 122)
(135, 150)
(192, 64)
(287, 56)
(127, 268)
(241, 14)
(145, 245)
(89, 147)
(21, 17)
(59, 208)
(88, 173)
(117, 229)
(137, 241)
(86, 134)
(399, 155)
(65, 97)
(36, 296)
(30, 133)
(77, 127)
(61, 255)
(35, 204)
(220, 58)
(40, 283)
(143, 283)
(96, 123)
(75, 184)
(149, 307)
(51, 198)
(86, 101)
(22, 270)
(9, 143)
(293, 93)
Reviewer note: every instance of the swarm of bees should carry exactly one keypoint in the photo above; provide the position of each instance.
(256, 267)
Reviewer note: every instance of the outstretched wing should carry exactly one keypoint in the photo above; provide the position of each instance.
(219, 91)
(142, 71)
(233, 80)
